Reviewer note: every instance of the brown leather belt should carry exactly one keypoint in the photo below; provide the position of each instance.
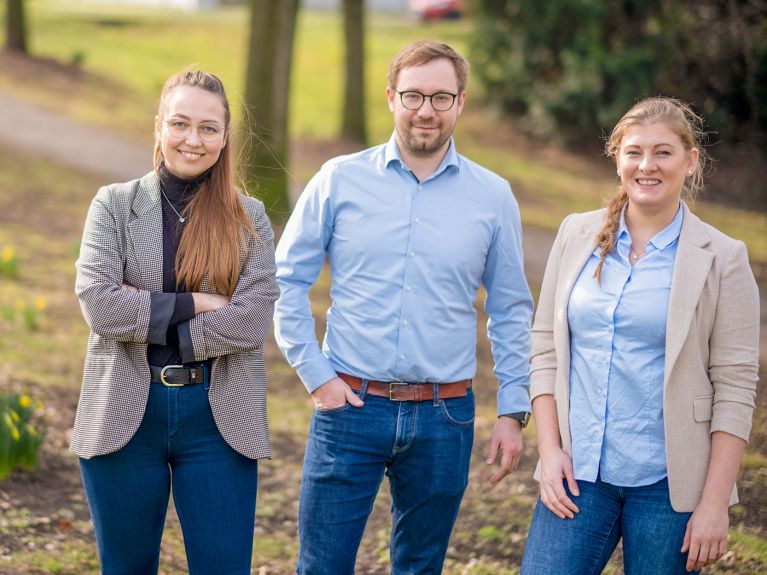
(402, 391)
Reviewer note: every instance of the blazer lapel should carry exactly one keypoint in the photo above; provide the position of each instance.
(145, 231)
(579, 248)
(691, 268)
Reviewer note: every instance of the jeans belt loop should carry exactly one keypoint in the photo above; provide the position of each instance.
(363, 389)
(435, 393)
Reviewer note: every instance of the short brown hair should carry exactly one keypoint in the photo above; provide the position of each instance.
(424, 51)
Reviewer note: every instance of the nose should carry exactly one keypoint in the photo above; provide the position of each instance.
(193, 137)
(426, 110)
(647, 164)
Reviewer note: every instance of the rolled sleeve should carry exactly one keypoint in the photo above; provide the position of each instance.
(734, 347)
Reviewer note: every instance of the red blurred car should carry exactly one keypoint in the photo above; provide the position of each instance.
(436, 9)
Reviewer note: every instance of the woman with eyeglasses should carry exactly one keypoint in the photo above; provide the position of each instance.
(176, 280)
(645, 353)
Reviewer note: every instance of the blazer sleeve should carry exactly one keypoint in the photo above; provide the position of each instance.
(734, 346)
(242, 325)
(543, 356)
(110, 311)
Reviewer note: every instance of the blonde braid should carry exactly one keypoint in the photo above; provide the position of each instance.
(606, 236)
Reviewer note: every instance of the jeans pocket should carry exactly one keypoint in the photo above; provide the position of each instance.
(343, 407)
(459, 411)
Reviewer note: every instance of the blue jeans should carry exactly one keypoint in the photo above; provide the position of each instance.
(178, 447)
(652, 533)
(423, 447)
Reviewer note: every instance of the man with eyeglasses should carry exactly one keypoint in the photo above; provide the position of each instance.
(411, 229)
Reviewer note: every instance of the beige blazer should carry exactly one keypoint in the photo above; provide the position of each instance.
(122, 242)
(712, 343)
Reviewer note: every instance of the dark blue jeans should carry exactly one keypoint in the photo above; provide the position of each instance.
(652, 533)
(178, 447)
(424, 448)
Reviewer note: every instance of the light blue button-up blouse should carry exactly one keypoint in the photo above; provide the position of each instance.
(617, 347)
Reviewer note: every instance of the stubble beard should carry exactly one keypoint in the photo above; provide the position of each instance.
(425, 147)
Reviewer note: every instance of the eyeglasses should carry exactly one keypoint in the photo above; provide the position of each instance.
(440, 101)
(207, 132)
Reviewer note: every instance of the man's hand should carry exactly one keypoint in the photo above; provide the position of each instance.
(333, 394)
(506, 439)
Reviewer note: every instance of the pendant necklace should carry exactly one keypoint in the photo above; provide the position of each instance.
(181, 219)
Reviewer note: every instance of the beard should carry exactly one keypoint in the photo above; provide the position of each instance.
(424, 145)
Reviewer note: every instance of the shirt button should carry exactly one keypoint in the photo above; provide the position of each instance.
(402, 357)
(407, 288)
(420, 186)
(405, 322)
(412, 254)
(417, 220)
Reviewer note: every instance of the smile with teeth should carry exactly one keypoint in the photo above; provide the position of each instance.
(647, 182)
(190, 155)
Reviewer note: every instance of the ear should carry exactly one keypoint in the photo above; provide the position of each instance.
(461, 101)
(390, 95)
(692, 157)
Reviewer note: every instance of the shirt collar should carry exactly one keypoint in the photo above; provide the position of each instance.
(663, 238)
(392, 154)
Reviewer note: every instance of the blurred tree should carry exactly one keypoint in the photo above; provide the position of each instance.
(353, 127)
(16, 28)
(267, 91)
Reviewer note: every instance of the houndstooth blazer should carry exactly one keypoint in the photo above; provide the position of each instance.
(122, 243)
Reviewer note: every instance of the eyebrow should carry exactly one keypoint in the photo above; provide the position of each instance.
(654, 145)
(185, 117)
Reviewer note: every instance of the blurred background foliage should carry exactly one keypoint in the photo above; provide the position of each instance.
(566, 67)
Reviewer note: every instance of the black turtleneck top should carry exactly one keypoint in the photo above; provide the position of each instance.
(177, 193)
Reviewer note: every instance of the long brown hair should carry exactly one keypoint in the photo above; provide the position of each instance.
(217, 225)
(679, 117)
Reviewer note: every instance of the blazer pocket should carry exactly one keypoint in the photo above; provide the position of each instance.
(703, 408)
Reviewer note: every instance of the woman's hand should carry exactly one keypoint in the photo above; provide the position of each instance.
(208, 301)
(706, 535)
(129, 287)
(555, 466)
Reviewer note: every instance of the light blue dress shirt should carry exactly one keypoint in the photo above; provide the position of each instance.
(406, 261)
(617, 350)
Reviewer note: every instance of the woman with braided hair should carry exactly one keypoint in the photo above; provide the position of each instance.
(644, 366)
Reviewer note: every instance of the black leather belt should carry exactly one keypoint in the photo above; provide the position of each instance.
(178, 375)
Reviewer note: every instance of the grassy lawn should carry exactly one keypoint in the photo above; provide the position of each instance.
(125, 55)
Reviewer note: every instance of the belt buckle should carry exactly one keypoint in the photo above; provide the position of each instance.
(162, 376)
(392, 385)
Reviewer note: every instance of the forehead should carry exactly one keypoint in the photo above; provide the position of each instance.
(654, 134)
(195, 103)
(434, 76)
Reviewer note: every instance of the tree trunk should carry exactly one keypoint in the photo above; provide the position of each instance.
(354, 93)
(267, 89)
(16, 31)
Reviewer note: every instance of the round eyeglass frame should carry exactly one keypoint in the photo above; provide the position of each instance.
(425, 97)
(178, 133)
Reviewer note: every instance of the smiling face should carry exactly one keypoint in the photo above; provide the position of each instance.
(425, 132)
(187, 156)
(653, 163)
